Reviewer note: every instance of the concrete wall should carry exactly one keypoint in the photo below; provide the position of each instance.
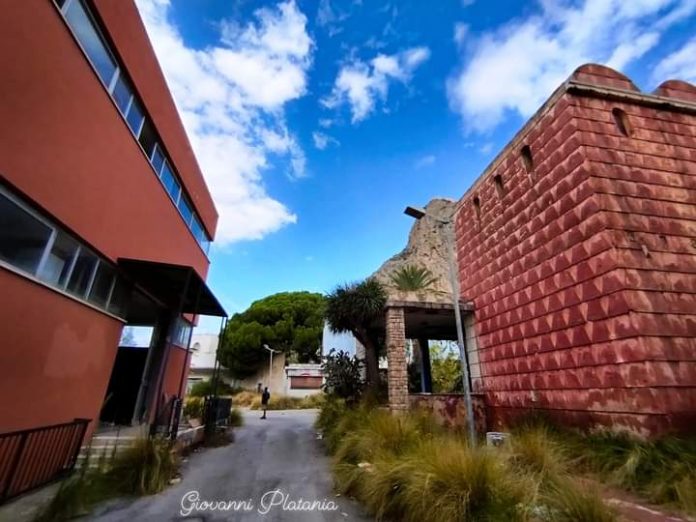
(277, 381)
(581, 268)
(67, 149)
(71, 152)
(56, 358)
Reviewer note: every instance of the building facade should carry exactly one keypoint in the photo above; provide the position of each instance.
(105, 219)
(577, 248)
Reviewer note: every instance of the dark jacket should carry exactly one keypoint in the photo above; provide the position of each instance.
(265, 397)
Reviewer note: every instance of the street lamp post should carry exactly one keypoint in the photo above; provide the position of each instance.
(419, 213)
(271, 351)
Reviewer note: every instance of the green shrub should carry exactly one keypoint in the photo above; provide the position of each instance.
(245, 398)
(343, 376)
(569, 501)
(193, 407)
(446, 480)
(282, 402)
(146, 467)
(205, 388)
(236, 420)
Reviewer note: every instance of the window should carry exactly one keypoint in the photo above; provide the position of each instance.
(136, 336)
(135, 118)
(498, 181)
(185, 209)
(197, 229)
(101, 287)
(120, 296)
(477, 207)
(85, 31)
(527, 159)
(621, 121)
(170, 183)
(82, 273)
(182, 329)
(147, 140)
(167, 176)
(57, 265)
(122, 94)
(32, 243)
(23, 237)
(113, 76)
(157, 159)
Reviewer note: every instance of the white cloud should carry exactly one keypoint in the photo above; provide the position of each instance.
(425, 161)
(330, 18)
(486, 148)
(231, 99)
(516, 67)
(326, 122)
(680, 65)
(322, 141)
(361, 84)
(460, 32)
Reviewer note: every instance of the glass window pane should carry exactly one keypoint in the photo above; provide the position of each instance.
(59, 261)
(99, 293)
(157, 159)
(86, 33)
(119, 298)
(197, 229)
(23, 238)
(82, 273)
(181, 333)
(137, 336)
(135, 117)
(185, 209)
(170, 182)
(147, 138)
(122, 94)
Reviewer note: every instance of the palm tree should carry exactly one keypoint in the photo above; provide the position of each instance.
(353, 308)
(412, 278)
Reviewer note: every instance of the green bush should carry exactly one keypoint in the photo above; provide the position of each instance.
(205, 388)
(343, 376)
(408, 468)
(283, 402)
(145, 468)
(193, 407)
(236, 420)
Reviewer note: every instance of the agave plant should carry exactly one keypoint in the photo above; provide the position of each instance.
(412, 278)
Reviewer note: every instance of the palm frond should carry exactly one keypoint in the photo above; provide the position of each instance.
(412, 278)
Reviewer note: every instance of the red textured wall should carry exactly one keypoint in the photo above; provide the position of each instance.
(582, 271)
(56, 359)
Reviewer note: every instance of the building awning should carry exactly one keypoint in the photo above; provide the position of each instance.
(173, 286)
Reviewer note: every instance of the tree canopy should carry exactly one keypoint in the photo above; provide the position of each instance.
(352, 308)
(291, 322)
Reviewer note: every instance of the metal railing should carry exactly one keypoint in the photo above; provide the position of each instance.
(31, 458)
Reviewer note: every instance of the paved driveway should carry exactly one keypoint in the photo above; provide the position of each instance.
(276, 470)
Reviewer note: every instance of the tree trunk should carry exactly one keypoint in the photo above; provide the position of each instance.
(371, 360)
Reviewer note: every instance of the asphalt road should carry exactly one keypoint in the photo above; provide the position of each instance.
(276, 470)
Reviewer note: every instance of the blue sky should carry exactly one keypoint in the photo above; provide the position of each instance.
(316, 122)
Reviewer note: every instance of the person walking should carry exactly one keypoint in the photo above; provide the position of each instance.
(265, 397)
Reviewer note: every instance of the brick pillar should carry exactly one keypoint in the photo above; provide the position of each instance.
(396, 360)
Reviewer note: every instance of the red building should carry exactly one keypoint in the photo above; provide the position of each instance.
(577, 247)
(105, 219)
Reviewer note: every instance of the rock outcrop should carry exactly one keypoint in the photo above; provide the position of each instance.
(426, 248)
